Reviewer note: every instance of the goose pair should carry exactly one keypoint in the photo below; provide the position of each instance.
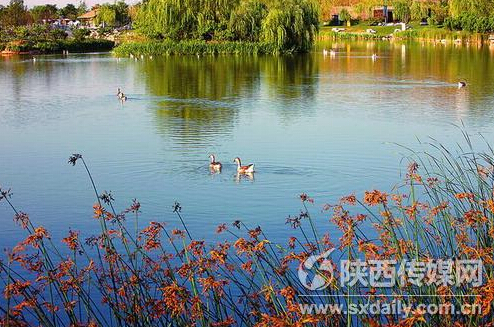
(331, 52)
(216, 165)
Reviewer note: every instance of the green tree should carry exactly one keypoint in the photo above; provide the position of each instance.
(106, 15)
(418, 10)
(81, 8)
(345, 16)
(169, 19)
(246, 20)
(481, 8)
(69, 11)
(42, 12)
(121, 13)
(15, 14)
(402, 11)
(288, 24)
(291, 24)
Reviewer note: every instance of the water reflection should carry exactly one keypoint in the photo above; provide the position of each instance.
(244, 177)
(314, 124)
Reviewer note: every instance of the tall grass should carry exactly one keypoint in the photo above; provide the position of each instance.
(437, 34)
(156, 276)
(192, 48)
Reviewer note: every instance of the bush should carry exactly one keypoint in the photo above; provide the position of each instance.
(80, 33)
(88, 45)
(471, 23)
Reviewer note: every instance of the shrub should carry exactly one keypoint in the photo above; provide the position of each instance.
(80, 33)
(87, 45)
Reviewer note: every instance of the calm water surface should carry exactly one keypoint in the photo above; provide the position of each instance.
(315, 124)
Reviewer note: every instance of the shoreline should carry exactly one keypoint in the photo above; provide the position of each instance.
(427, 34)
(192, 47)
(80, 46)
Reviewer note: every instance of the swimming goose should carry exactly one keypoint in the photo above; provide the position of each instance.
(214, 165)
(462, 84)
(243, 169)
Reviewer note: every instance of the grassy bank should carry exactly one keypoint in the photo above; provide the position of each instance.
(160, 276)
(191, 48)
(417, 32)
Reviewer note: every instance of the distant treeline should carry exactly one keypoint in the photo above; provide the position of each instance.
(44, 39)
(17, 14)
(469, 15)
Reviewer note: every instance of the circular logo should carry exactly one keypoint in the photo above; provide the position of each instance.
(322, 274)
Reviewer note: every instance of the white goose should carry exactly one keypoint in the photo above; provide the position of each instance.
(249, 169)
(214, 165)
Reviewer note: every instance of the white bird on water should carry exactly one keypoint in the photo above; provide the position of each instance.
(374, 57)
(324, 52)
(462, 84)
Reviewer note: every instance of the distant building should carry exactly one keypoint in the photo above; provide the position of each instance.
(89, 18)
(336, 10)
(384, 12)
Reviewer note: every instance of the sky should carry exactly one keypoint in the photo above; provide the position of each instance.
(61, 3)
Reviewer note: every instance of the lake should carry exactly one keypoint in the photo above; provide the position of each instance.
(327, 126)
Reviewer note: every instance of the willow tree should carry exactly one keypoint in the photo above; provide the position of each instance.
(106, 15)
(183, 19)
(419, 10)
(288, 24)
(213, 17)
(482, 8)
(291, 25)
(366, 7)
(402, 10)
(246, 20)
(171, 19)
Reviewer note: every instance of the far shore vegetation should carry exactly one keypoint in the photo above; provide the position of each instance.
(155, 27)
